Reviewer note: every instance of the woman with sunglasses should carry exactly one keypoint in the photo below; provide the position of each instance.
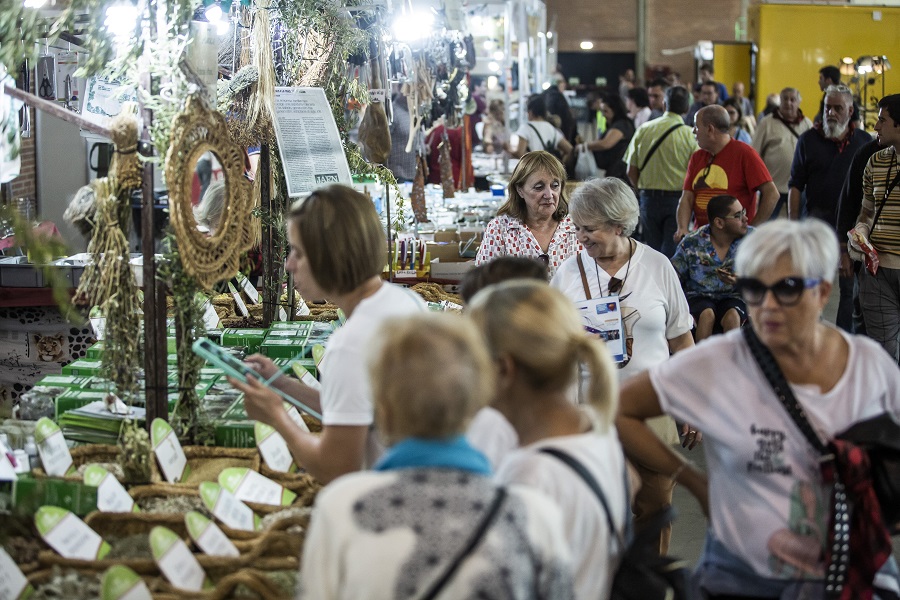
(764, 493)
(656, 319)
(534, 221)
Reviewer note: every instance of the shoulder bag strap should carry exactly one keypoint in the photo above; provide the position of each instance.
(660, 141)
(786, 124)
(476, 538)
(582, 472)
(887, 193)
(584, 281)
(540, 139)
(776, 379)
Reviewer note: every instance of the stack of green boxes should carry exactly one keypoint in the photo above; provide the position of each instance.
(286, 343)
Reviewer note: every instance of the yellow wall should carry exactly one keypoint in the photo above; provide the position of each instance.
(731, 63)
(795, 41)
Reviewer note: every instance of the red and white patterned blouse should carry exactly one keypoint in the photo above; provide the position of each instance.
(508, 236)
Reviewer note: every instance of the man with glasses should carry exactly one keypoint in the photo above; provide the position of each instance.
(879, 294)
(723, 166)
(704, 262)
(822, 159)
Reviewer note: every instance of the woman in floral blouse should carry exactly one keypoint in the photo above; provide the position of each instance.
(534, 221)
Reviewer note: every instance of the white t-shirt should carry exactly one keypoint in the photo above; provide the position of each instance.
(491, 434)
(766, 495)
(654, 310)
(545, 131)
(594, 553)
(346, 392)
(386, 535)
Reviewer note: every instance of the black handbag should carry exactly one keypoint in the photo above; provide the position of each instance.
(880, 438)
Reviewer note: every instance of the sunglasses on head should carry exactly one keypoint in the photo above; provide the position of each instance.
(787, 292)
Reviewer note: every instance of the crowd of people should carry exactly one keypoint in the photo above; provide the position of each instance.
(448, 441)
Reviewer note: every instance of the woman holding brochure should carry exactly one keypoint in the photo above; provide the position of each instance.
(656, 320)
(336, 252)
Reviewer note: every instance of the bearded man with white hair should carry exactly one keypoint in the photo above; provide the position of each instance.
(821, 162)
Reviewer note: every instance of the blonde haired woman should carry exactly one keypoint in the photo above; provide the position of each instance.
(398, 531)
(537, 342)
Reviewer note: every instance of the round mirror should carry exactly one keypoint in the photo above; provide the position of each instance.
(204, 165)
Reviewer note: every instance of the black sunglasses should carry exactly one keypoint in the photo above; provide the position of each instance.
(545, 258)
(787, 292)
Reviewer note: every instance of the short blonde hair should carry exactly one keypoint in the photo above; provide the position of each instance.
(342, 237)
(430, 377)
(605, 201)
(539, 329)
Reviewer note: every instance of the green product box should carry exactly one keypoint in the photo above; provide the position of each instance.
(279, 347)
(72, 399)
(290, 326)
(236, 411)
(171, 347)
(297, 335)
(66, 381)
(30, 494)
(81, 367)
(249, 338)
(94, 352)
(235, 434)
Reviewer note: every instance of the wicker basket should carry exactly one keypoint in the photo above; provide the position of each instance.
(206, 462)
(85, 455)
(254, 581)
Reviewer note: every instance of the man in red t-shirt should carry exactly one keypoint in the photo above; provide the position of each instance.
(723, 166)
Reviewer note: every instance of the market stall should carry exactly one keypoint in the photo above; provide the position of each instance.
(215, 116)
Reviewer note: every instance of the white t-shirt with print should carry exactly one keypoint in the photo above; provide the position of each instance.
(550, 135)
(766, 496)
(346, 395)
(594, 553)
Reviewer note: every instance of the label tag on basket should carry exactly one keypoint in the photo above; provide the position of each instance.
(305, 376)
(210, 316)
(168, 451)
(69, 535)
(250, 486)
(228, 509)
(176, 561)
(121, 583)
(249, 289)
(273, 448)
(111, 495)
(208, 536)
(13, 583)
(55, 455)
(318, 353)
(296, 417)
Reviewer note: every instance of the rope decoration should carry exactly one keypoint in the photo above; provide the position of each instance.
(207, 259)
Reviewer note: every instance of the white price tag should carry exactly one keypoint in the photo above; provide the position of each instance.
(55, 455)
(208, 536)
(377, 95)
(228, 509)
(69, 535)
(175, 560)
(12, 581)
(405, 274)
(295, 416)
(250, 486)
(111, 495)
(273, 448)
(168, 451)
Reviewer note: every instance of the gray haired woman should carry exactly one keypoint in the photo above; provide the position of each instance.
(767, 499)
(655, 315)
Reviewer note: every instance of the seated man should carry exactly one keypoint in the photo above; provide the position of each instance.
(704, 261)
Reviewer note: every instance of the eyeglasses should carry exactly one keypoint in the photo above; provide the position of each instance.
(787, 292)
(741, 214)
(545, 258)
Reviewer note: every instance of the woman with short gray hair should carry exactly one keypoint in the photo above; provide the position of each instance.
(656, 320)
(770, 506)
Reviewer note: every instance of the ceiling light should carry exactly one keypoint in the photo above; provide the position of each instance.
(586, 45)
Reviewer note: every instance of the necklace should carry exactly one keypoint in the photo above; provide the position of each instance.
(616, 285)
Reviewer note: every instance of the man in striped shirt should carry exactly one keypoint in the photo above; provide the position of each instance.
(879, 221)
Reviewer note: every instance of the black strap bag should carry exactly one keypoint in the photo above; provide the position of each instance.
(642, 573)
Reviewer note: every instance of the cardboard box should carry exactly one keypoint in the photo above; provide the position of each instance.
(446, 251)
(72, 399)
(95, 351)
(248, 338)
(282, 347)
(65, 381)
(235, 434)
(446, 236)
(451, 270)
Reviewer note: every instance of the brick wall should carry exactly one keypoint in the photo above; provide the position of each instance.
(671, 24)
